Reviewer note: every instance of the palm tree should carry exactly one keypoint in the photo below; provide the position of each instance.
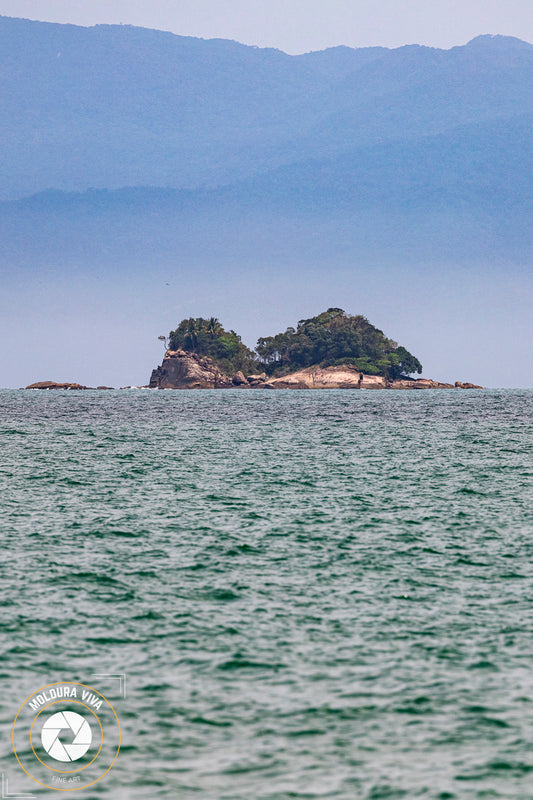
(214, 328)
(192, 333)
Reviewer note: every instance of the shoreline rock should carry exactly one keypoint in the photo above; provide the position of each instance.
(239, 379)
(46, 385)
(182, 369)
(348, 377)
(54, 385)
(185, 370)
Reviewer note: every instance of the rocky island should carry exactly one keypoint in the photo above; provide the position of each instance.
(333, 350)
(68, 386)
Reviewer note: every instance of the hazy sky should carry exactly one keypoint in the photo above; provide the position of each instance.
(299, 25)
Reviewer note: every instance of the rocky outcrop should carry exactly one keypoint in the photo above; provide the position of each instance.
(257, 381)
(419, 383)
(343, 377)
(54, 385)
(239, 379)
(348, 377)
(186, 370)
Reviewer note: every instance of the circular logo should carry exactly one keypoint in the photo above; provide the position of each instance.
(66, 736)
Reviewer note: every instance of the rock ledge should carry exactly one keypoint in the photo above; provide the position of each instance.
(185, 370)
(54, 385)
(182, 369)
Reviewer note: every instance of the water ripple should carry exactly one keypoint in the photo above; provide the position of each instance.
(313, 594)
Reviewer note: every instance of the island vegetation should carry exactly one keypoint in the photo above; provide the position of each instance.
(331, 338)
(207, 337)
(333, 350)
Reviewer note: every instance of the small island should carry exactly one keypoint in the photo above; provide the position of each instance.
(66, 386)
(333, 350)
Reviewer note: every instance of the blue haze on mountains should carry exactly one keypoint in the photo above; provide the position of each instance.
(147, 176)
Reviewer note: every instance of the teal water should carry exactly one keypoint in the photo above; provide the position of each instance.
(312, 594)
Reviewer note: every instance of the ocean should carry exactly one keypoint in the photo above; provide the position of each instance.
(285, 595)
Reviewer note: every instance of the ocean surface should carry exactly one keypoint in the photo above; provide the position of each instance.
(316, 594)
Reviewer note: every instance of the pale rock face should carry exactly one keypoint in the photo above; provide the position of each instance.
(348, 377)
(419, 383)
(184, 370)
(343, 377)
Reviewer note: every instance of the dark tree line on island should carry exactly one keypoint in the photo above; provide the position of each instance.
(329, 339)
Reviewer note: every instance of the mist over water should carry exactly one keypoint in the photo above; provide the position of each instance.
(321, 594)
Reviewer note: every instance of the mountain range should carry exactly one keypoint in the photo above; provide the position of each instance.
(128, 151)
(115, 106)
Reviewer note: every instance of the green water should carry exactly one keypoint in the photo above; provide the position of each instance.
(312, 594)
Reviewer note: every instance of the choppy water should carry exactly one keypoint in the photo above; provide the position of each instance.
(313, 594)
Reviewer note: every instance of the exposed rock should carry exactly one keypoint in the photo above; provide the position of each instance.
(342, 377)
(419, 383)
(257, 381)
(239, 379)
(54, 385)
(370, 381)
(186, 370)
(348, 377)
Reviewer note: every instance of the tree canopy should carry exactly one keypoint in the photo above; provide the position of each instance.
(331, 338)
(335, 337)
(207, 337)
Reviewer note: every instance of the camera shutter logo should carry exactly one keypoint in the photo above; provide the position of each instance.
(58, 732)
(66, 736)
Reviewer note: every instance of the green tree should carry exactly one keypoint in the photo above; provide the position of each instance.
(407, 362)
(334, 337)
(331, 338)
(207, 337)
